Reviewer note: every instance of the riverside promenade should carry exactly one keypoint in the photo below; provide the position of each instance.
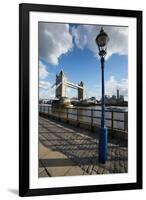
(66, 150)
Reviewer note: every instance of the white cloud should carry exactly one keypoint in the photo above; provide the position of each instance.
(112, 85)
(44, 84)
(94, 91)
(46, 94)
(45, 90)
(84, 36)
(43, 73)
(54, 41)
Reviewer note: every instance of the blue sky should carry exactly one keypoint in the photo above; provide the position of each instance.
(72, 48)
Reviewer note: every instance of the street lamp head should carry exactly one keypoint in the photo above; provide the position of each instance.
(101, 41)
(102, 38)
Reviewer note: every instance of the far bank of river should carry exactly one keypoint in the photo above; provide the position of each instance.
(97, 107)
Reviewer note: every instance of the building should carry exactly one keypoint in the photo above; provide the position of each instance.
(118, 94)
(114, 100)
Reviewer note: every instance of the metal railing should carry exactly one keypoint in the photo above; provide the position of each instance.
(114, 119)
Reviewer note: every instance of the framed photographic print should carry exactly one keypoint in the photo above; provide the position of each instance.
(80, 99)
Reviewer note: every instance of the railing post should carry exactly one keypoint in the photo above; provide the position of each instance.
(41, 109)
(125, 121)
(58, 113)
(48, 110)
(77, 118)
(91, 119)
(112, 124)
(67, 115)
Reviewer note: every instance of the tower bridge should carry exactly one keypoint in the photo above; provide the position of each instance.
(62, 84)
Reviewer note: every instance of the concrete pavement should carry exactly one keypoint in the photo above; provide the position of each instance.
(65, 150)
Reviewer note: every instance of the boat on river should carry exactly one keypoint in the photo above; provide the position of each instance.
(84, 103)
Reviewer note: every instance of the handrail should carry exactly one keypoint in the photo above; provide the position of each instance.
(92, 117)
(87, 109)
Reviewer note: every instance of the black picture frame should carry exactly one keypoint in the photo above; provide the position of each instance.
(24, 10)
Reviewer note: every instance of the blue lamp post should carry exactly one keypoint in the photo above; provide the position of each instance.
(102, 40)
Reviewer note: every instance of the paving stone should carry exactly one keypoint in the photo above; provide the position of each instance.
(84, 167)
(95, 168)
(122, 170)
(121, 164)
(74, 171)
(100, 170)
(41, 169)
(94, 172)
(116, 167)
(57, 171)
(106, 171)
(43, 174)
(63, 141)
(89, 170)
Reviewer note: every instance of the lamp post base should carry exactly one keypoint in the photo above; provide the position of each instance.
(102, 157)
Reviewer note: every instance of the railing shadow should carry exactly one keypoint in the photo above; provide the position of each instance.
(81, 147)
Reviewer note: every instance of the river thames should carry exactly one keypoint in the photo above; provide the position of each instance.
(115, 116)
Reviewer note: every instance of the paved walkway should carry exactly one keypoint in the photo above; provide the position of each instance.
(65, 150)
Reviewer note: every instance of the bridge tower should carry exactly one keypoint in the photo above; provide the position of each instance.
(61, 80)
(81, 91)
(62, 83)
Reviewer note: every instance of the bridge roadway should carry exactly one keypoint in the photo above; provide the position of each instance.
(65, 150)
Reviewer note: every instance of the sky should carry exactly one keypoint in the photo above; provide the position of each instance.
(72, 48)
